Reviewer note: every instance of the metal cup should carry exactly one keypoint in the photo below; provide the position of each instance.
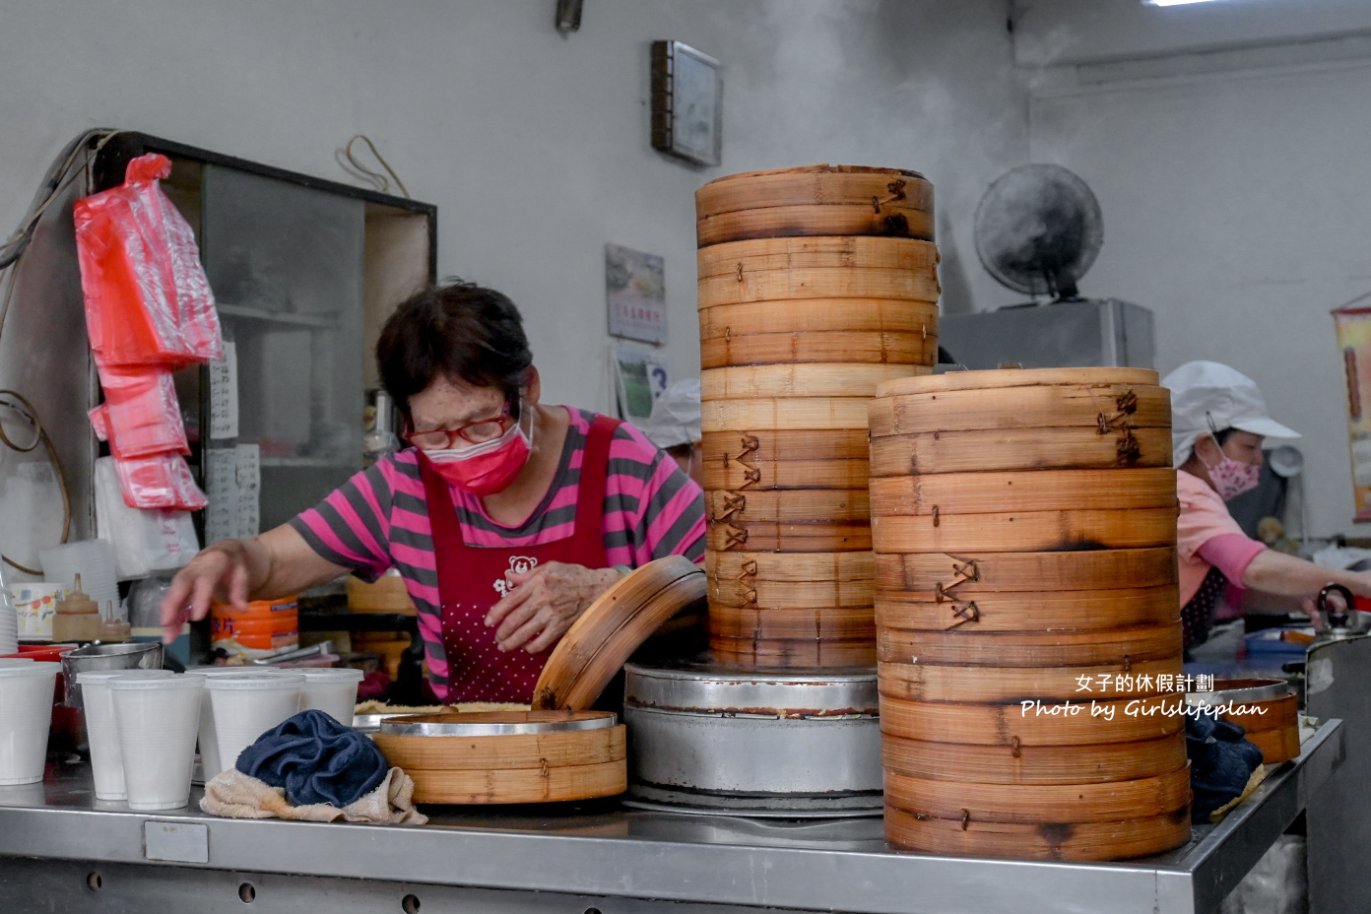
(135, 655)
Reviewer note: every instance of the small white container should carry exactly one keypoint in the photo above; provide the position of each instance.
(25, 716)
(208, 738)
(156, 719)
(97, 706)
(331, 690)
(247, 706)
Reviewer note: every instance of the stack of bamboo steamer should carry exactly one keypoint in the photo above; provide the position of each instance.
(1029, 639)
(816, 284)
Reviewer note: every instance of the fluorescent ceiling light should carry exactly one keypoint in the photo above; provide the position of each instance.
(1173, 2)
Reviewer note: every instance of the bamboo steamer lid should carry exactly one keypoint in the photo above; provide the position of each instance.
(797, 567)
(773, 536)
(1100, 407)
(998, 684)
(1033, 804)
(1095, 763)
(1010, 725)
(1020, 449)
(791, 623)
(813, 184)
(1044, 490)
(1119, 840)
(611, 628)
(499, 757)
(816, 315)
(860, 346)
(785, 284)
(999, 378)
(814, 200)
(961, 646)
(976, 574)
(1029, 611)
(1029, 531)
(766, 255)
(809, 379)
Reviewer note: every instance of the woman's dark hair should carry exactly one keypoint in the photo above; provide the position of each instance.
(460, 332)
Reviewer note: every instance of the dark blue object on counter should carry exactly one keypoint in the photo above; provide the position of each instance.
(316, 759)
(1221, 762)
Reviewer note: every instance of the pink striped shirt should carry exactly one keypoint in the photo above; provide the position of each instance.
(379, 519)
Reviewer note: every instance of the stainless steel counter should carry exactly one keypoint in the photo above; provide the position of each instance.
(61, 850)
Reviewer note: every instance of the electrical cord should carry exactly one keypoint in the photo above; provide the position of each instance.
(376, 179)
(59, 176)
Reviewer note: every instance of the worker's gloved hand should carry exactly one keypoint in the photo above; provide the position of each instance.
(316, 760)
(1221, 762)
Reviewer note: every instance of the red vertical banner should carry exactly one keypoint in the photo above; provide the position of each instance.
(1353, 324)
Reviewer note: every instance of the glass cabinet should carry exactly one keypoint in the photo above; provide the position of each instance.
(304, 272)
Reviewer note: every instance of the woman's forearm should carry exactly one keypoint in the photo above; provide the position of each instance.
(1277, 573)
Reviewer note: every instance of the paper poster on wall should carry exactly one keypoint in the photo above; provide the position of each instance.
(1353, 323)
(223, 395)
(640, 375)
(635, 294)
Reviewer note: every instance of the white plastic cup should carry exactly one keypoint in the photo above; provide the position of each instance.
(156, 718)
(106, 763)
(247, 706)
(25, 717)
(210, 763)
(331, 690)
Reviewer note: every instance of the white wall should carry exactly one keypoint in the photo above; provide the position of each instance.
(1237, 205)
(533, 145)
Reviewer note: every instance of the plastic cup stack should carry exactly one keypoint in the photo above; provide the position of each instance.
(156, 718)
(333, 691)
(247, 706)
(106, 762)
(25, 717)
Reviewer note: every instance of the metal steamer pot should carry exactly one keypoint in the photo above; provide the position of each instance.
(762, 743)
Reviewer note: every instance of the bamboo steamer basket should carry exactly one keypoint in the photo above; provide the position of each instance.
(499, 757)
(795, 506)
(1116, 840)
(772, 536)
(814, 200)
(611, 628)
(789, 623)
(784, 459)
(1125, 678)
(1107, 648)
(1267, 709)
(1043, 490)
(1020, 449)
(738, 259)
(791, 414)
(973, 765)
(977, 574)
(1068, 611)
(1070, 723)
(836, 592)
(817, 315)
(809, 379)
(387, 594)
(1108, 801)
(851, 567)
(758, 652)
(1029, 531)
(851, 280)
(860, 346)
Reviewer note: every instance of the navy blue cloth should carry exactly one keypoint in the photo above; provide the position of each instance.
(316, 759)
(1221, 762)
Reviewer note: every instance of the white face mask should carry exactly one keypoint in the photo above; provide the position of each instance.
(1231, 478)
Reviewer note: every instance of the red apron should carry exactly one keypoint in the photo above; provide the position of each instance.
(472, 578)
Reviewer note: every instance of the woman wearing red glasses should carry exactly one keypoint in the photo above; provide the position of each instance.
(505, 516)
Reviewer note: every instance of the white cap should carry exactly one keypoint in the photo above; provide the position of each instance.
(1208, 397)
(675, 415)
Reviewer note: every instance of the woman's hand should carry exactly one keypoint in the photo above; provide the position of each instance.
(543, 602)
(220, 569)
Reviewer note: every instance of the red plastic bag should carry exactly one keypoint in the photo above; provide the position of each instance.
(159, 481)
(147, 299)
(140, 415)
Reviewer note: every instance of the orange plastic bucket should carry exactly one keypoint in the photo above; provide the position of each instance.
(264, 627)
